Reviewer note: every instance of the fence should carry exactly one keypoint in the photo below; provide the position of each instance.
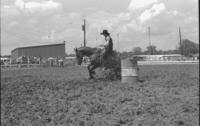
(72, 63)
(21, 66)
(166, 62)
(42, 64)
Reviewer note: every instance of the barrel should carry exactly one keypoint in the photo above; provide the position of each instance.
(129, 71)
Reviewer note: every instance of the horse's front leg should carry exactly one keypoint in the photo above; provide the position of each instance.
(90, 71)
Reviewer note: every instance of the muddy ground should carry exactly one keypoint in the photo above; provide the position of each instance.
(167, 95)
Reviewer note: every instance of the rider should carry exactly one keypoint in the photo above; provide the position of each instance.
(109, 43)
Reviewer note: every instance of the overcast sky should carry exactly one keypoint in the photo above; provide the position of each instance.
(39, 22)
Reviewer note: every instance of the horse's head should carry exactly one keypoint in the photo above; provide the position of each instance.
(79, 56)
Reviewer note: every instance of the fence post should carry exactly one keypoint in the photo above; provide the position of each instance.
(28, 62)
(10, 62)
(40, 62)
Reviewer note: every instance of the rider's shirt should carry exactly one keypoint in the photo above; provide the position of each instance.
(108, 40)
(109, 43)
(105, 43)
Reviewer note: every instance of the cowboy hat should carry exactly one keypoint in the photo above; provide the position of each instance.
(105, 32)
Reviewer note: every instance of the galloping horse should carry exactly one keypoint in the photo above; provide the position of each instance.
(95, 56)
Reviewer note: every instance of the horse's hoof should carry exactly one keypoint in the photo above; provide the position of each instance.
(90, 78)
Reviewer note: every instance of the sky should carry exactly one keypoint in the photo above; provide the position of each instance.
(40, 22)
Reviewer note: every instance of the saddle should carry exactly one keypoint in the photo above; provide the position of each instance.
(106, 56)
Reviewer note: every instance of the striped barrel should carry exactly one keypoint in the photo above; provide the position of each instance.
(129, 71)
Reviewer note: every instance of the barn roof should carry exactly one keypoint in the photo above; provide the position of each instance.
(37, 46)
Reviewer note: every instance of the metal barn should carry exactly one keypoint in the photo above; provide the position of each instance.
(44, 51)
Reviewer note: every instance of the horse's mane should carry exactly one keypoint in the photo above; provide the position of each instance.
(88, 50)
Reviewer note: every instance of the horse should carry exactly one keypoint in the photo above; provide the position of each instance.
(96, 58)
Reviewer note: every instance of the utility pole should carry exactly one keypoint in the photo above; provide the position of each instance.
(149, 40)
(118, 42)
(84, 32)
(180, 41)
(49, 38)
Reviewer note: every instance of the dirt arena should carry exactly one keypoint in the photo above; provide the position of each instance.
(167, 95)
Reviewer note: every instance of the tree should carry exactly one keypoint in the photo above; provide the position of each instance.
(171, 52)
(160, 52)
(188, 48)
(137, 50)
(151, 49)
(124, 55)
